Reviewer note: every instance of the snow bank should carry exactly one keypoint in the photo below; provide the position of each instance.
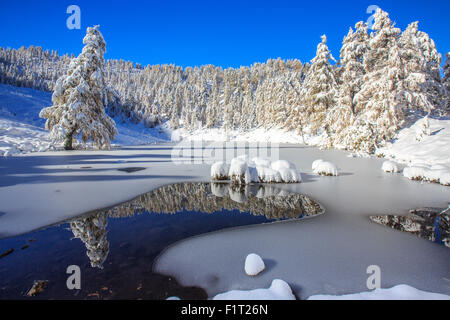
(325, 168)
(254, 264)
(278, 290)
(219, 171)
(428, 157)
(389, 166)
(421, 173)
(433, 149)
(400, 292)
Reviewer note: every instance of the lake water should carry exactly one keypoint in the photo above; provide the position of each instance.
(115, 247)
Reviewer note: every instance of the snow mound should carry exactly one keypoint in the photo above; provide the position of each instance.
(289, 175)
(254, 264)
(389, 166)
(219, 171)
(239, 172)
(421, 173)
(283, 164)
(399, 292)
(325, 168)
(316, 163)
(268, 175)
(242, 171)
(278, 290)
(262, 162)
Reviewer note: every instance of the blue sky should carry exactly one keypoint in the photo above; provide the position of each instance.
(223, 33)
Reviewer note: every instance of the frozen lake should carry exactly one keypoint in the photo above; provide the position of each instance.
(328, 254)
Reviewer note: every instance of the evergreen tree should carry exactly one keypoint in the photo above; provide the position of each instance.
(376, 103)
(342, 115)
(78, 98)
(319, 91)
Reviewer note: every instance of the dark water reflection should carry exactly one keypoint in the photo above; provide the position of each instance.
(428, 223)
(122, 242)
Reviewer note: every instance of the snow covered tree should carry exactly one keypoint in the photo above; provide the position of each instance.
(421, 87)
(319, 91)
(376, 103)
(78, 98)
(354, 47)
(423, 128)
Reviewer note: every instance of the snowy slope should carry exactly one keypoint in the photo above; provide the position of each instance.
(427, 156)
(432, 150)
(22, 131)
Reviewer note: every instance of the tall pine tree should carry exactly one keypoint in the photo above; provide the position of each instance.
(78, 98)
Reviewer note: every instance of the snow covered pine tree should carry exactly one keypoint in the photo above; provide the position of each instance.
(78, 107)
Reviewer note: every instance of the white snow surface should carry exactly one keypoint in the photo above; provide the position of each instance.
(430, 157)
(399, 292)
(254, 264)
(278, 290)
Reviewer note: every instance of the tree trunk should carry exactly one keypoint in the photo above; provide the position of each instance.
(68, 140)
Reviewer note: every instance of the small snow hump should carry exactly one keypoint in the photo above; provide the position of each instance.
(219, 171)
(325, 168)
(254, 264)
(390, 167)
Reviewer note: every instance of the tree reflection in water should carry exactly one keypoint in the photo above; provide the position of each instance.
(260, 200)
(428, 223)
